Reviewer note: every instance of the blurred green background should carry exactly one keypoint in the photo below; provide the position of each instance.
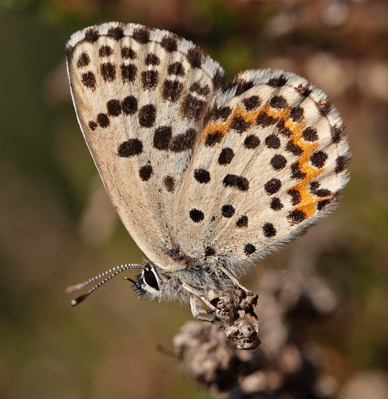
(57, 227)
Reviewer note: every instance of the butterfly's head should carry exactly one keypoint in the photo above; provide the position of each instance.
(147, 284)
(154, 283)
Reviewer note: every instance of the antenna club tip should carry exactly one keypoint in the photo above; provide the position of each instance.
(73, 288)
(80, 299)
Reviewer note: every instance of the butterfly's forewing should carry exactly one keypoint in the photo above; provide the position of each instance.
(140, 97)
(268, 165)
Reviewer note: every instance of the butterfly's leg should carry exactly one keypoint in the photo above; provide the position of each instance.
(220, 313)
(246, 302)
(233, 279)
(198, 294)
(196, 311)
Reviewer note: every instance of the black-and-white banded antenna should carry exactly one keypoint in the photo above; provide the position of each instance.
(113, 272)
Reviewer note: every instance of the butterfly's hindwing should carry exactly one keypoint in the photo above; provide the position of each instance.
(270, 162)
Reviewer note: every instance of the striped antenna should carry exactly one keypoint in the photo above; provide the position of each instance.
(114, 271)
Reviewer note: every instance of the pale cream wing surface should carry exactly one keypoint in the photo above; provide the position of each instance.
(270, 162)
(140, 97)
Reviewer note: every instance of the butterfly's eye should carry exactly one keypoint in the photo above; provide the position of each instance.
(150, 279)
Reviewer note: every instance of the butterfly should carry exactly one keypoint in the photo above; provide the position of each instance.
(207, 175)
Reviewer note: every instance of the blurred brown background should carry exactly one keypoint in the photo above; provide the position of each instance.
(57, 227)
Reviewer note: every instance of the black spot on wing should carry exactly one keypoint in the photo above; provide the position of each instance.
(276, 204)
(296, 114)
(310, 134)
(114, 107)
(318, 159)
(103, 120)
(272, 141)
(341, 163)
(278, 102)
(202, 176)
(294, 148)
(129, 105)
(278, 82)
(176, 68)
(219, 79)
(116, 33)
(196, 215)
(91, 35)
(128, 53)
(249, 249)
(296, 197)
(149, 79)
(227, 211)
(272, 186)
(128, 72)
(252, 103)
(296, 216)
(242, 86)
(152, 59)
(278, 162)
(192, 107)
(141, 35)
(172, 90)
(269, 230)
(169, 183)
(145, 172)
(89, 80)
(130, 148)
(170, 43)
(265, 120)
(238, 182)
(251, 142)
(304, 90)
(222, 113)
(147, 115)
(162, 138)
(83, 60)
(213, 138)
(296, 172)
(184, 141)
(337, 133)
(226, 156)
(242, 222)
(108, 72)
(239, 124)
(105, 51)
(194, 57)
